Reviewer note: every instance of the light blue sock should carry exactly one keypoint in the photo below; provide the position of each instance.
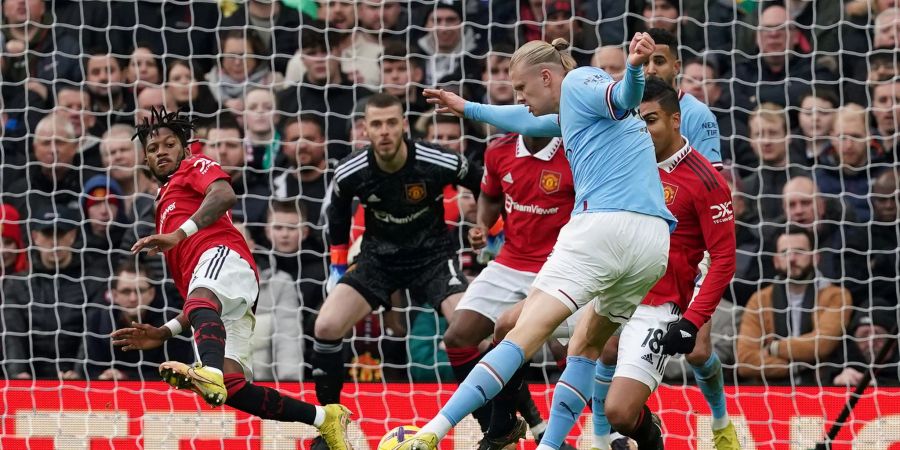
(574, 388)
(712, 383)
(485, 381)
(602, 377)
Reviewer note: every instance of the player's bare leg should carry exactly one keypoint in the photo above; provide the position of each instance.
(541, 315)
(343, 308)
(708, 373)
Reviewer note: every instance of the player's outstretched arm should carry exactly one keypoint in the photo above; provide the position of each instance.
(515, 118)
(140, 336)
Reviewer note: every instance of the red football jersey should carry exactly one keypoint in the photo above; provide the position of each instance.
(177, 201)
(699, 198)
(539, 195)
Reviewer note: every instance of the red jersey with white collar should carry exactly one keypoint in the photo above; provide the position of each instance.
(539, 195)
(698, 196)
(177, 201)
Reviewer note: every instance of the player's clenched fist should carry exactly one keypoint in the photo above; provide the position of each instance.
(680, 338)
(640, 49)
(446, 102)
(477, 237)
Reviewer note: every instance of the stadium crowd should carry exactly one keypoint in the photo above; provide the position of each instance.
(806, 97)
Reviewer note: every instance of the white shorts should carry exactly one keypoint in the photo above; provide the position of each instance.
(640, 356)
(496, 289)
(232, 280)
(616, 257)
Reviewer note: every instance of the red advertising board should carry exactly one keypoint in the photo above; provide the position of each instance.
(149, 416)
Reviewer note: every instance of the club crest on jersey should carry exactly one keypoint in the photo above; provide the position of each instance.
(550, 181)
(669, 191)
(415, 192)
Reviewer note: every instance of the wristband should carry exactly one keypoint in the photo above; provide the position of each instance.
(496, 228)
(174, 327)
(339, 254)
(773, 348)
(189, 227)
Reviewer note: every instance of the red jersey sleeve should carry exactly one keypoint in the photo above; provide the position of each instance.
(490, 181)
(716, 218)
(202, 173)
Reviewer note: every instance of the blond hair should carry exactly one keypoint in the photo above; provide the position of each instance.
(850, 113)
(771, 113)
(535, 53)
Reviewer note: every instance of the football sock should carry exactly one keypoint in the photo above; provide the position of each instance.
(482, 384)
(569, 399)
(503, 414)
(645, 433)
(711, 382)
(602, 378)
(209, 336)
(328, 370)
(266, 403)
(462, 361)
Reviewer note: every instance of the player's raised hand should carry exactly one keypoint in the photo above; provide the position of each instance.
(158, 243)
(446, 102)
(139, 336)
(640, 49)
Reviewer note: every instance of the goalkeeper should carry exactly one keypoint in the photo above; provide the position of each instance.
(406, 245)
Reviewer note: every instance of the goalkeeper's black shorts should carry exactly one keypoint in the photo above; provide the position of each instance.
(429, 280)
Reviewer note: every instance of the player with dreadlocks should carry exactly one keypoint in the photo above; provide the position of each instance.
(213, 269)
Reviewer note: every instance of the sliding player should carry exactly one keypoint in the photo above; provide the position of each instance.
(213, 269)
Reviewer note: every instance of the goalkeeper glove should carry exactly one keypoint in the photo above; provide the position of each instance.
(680, 339)
(338, 266)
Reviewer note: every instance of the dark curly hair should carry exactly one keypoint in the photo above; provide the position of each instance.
(181, 125)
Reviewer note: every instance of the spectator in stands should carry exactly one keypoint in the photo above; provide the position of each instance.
(887, 29)
(105, 221)
(662, 14)
(144, 68)
(73, 103)
(358, 126)
(12, 246)
(56, 178)
(778, 74)
(45, 313)
(611, 58)
(886, 112)
(281, 313)
(123, 159)
(275, 26)
(816, 120)
(869, 332)
(769, 141)
(225, 144)
(309, 171)
(448, 45)
(186, 92)
(882, 255)
(498, 87)
(259, 127)
(402, 76)
(747, 236)
(240, 68)
(133, 298)
(35, 53)
(791, 328)
(559, 22)
(442, 129)
(152, 97)
(105, 80)
(185, 30)
(325, 90)
(849, 175)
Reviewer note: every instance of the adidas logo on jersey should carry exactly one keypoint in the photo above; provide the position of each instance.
(648, 357)
(508, 178)
(685, 334)
(373, 198)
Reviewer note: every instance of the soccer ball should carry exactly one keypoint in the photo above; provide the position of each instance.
(394, 437)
